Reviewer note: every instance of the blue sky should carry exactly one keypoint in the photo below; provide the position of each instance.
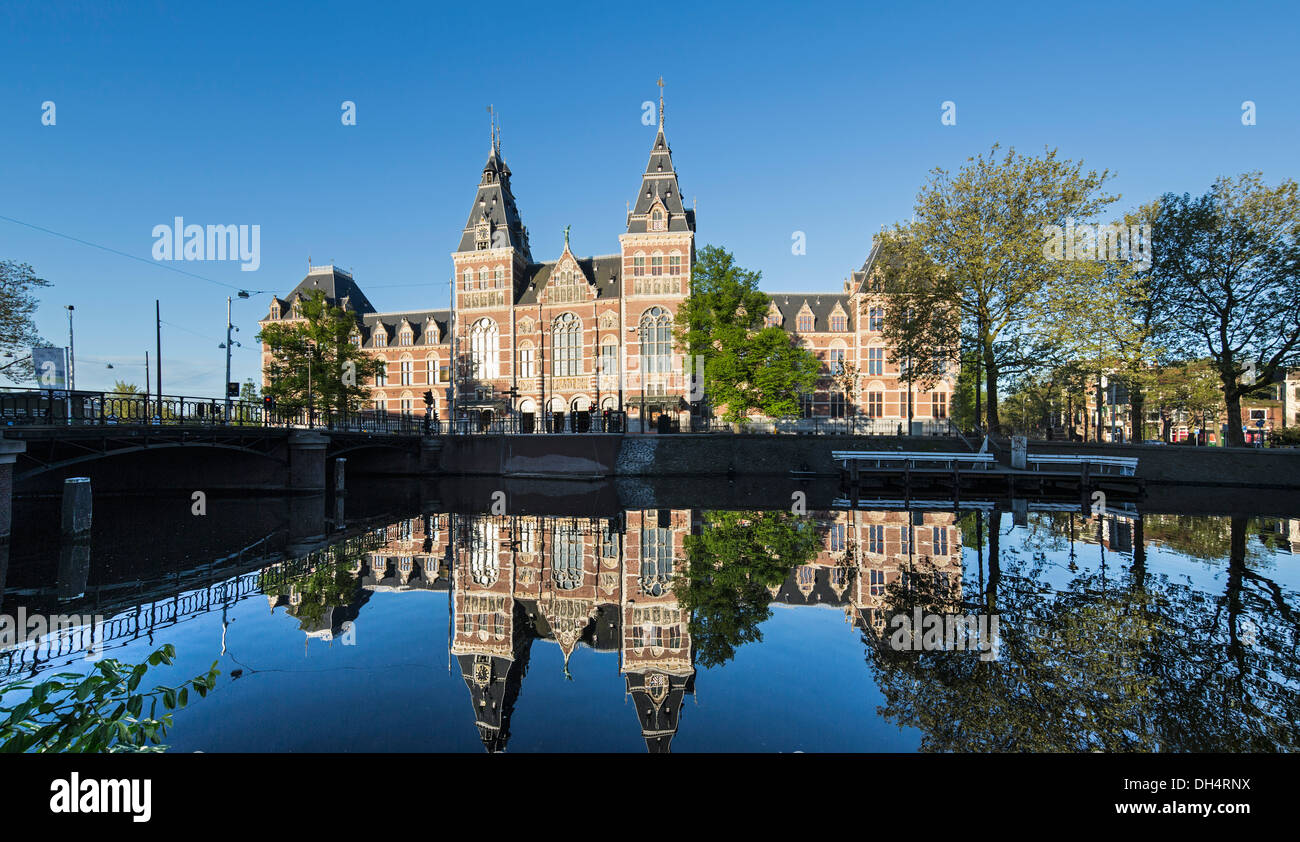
(823, 119)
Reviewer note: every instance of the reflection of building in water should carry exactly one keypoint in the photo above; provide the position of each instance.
(867, 555)
(612, 585)
(604, 583)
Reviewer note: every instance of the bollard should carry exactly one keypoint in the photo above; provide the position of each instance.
(77, 507)
(1019, 452)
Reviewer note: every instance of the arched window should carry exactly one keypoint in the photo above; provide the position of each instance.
(657, 219)
(566, 345)
(430, 370)
(499, 278)
(483, 278)
(656, 341)
(483, 350)
(469, 279)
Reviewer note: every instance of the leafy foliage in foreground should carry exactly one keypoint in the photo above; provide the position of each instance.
(97, 712)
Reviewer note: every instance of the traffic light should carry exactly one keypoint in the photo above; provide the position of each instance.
(268, 402)
(428, 397)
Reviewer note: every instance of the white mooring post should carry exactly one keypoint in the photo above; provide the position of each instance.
(1019, 451)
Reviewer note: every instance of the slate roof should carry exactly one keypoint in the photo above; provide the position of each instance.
(660, 182)
(392, 321)
(606, 271)
(337, 286)
(496, 202)
(822, 305)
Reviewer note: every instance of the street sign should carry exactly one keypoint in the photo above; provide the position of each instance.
(51, 366)
(232, 390)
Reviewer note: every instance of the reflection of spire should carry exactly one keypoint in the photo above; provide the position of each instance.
(658, 698)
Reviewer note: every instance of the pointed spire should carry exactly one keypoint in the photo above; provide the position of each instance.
(661, 103)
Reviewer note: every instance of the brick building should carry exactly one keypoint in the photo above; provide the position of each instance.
(529, 337)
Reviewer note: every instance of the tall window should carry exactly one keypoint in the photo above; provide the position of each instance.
(876, 538)
(656, 560)
(381, 378)
(483, 553)
(806, 404)
(837, 404)
(837, 537)
(566, 556)
(876, 320)
(407, 366)
(875, 361)
(837, 360)
(566, 346)
(876, 404)
(469, 279)
(656, 338)
(499, 277)
(657, 220)
(877, 581)
(638, 265)
(526, 362)
(939, 405)
(657, 264)
(484, 349)
(431, 370)
(940, 540)
(674, 264)
(609, 359)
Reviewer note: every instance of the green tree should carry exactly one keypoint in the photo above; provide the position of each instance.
(316, 352)
(17, 329)
(747, 366)
(1230, 261)
(972, 269)
(731, 564)
(98, 712)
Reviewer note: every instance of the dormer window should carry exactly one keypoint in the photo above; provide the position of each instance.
(381, 340)
(404, 338)
(297, 310)
(275, 310)
(657, 219)
(839, 322)
(430, 335)
(805, 323)
(355, 339)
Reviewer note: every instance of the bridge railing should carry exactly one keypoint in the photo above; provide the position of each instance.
(30, 407)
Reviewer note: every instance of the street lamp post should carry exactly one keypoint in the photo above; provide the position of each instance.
(72, 356)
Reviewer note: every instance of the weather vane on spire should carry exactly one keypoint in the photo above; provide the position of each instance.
(492, 128)
(661, 101)
(566, 236)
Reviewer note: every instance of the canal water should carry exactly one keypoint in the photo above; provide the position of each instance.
(597, 618)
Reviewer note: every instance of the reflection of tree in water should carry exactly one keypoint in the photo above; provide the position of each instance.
(732, 564)
(332, 583)
(1133, 662)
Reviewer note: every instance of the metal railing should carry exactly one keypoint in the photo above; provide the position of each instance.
(28, 407)
(857, 425)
